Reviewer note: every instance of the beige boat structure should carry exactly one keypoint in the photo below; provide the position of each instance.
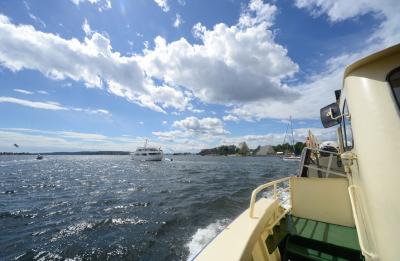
(343, 204)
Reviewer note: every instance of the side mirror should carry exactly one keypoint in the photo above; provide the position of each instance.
(330, 115)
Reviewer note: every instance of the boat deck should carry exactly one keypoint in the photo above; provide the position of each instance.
(306, 239)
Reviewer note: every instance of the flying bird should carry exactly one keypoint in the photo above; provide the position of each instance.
(16, 145)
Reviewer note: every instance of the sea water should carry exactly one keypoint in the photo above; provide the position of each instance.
(113, 208)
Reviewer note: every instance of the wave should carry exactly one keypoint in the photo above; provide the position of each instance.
(283, 196)
(85, 226)
(204, 235)
(18, 214)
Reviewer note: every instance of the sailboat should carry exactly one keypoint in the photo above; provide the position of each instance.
(291, 156)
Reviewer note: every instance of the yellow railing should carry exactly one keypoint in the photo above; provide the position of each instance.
(360, 225)
(276, 192)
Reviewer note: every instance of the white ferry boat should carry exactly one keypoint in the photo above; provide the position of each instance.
(342, 205)
(148, 153)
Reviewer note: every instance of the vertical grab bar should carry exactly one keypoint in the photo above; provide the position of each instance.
(361, 238)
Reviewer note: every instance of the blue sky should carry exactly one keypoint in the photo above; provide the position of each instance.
(186, 74)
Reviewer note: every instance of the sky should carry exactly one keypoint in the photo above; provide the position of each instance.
(186, 74)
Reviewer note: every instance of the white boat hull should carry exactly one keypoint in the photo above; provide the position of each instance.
(148, 157)
(293, 158)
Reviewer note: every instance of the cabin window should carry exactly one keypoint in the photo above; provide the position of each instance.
(394, 81)
(346, 128)
(154, 153)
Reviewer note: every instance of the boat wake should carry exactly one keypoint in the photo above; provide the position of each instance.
(283, 196)
(203, 236)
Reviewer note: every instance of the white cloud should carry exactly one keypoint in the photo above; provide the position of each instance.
(100, 4)
(164, 122)
(178, 21)
(49, 105)
(169, 135)
(230, 118)
(163, 4)
(204, 126)
(37, 20)
(238, 63)
(33, 104)
(34, 140)
(194, 132)
(197, 110)
(85, 136)
(92, 61)
(299, 135)
(42, 92)
(23, 91)
(47, 141)
(86, 27)
(338, 10)
(317, 90)
(256, 13)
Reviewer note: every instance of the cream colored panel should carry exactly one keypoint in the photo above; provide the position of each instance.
(320, 199)
(238, 240)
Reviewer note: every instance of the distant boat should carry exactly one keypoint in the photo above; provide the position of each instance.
(39, 157)
(292, 158)
(148, 153)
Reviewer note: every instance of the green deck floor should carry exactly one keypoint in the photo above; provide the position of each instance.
(329, 233)
(306, 239)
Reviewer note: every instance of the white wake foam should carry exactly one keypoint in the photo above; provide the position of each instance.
(204, 235)
(284, 196)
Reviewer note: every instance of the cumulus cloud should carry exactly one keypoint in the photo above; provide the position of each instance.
(49, 105)
(92, 61)
(205, 126)
(163, 4)
(317, 90)
(238, 63)
(193, 130)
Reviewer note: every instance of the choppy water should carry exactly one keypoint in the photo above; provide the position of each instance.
(112, 208)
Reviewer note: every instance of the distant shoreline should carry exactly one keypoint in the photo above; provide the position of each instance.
(86, 153)
(69, 153)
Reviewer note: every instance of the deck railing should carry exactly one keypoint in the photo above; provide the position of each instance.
(315, 159)
(277, 192)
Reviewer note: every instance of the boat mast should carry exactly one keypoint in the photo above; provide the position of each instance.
(291, 127)
(284, 139)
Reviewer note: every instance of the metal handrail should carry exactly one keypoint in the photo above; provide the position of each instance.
(357, 221)
(328, 169)
(262, 187)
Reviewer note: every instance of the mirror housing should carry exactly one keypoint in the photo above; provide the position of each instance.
(330, 115)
